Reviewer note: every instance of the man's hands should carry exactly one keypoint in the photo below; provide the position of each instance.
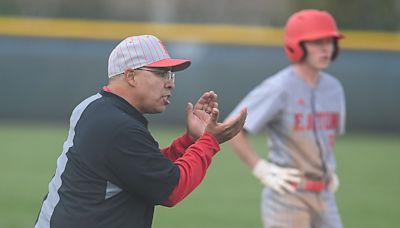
(204, 117)
(278, 178)
(197, 117)
(228, 129)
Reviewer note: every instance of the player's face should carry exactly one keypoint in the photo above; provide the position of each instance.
(319, 53)
(155, 85)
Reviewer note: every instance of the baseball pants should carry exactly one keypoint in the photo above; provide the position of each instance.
(302, 209)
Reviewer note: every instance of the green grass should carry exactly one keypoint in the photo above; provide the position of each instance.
(368, 167)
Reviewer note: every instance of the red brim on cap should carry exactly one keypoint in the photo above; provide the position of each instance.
(174, 64)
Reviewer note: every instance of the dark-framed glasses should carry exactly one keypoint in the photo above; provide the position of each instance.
(167, 76)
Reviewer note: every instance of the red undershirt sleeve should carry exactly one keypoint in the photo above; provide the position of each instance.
(193, 166)
(177, 147)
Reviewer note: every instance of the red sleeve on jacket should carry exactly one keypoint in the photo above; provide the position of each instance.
(177, 148)
(193, 166)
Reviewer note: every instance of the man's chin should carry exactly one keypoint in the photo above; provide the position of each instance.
(159, 110)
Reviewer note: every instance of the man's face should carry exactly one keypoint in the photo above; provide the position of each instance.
(319, 53)
(154, 89)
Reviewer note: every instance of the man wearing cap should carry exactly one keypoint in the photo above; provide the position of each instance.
(111, 172)
(302, 109)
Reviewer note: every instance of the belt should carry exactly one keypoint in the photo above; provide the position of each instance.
(310, 185)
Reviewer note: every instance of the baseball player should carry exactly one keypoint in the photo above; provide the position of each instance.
(302, 110)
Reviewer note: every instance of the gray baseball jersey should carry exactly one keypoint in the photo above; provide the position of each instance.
(301, 122)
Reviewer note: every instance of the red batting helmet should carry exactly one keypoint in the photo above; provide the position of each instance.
(307, 25)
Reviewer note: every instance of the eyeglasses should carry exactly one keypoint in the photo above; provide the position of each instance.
(167, 76)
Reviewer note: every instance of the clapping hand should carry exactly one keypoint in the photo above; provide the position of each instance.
(197, 117)
(229, 128)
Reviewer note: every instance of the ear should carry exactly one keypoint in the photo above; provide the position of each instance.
(129, 76)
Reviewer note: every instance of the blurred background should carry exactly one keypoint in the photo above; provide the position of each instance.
(54, 54)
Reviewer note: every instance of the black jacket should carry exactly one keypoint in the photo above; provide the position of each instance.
(111, 172)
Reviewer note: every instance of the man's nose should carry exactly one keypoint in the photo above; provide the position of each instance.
(170, 85)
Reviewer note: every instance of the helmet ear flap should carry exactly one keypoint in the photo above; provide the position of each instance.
(294, 52)
(291, 50)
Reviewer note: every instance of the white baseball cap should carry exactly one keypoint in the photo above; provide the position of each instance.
(138, 51)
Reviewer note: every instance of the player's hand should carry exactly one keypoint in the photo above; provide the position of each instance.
(278, 178)
(334, 183)
(197, 117)
(228, 129)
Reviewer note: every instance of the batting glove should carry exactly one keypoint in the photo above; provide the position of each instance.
(333, 185)
(279, 179)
